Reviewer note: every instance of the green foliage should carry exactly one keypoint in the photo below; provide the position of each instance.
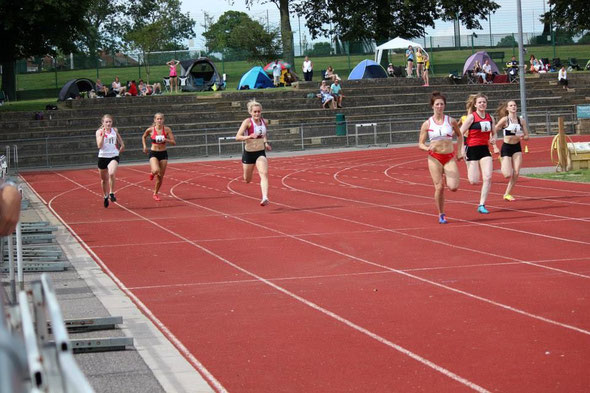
(572, 15)
(562, 37)
(579, 176)
(508, 41)
(354, 20)
(585, 39)
(237, 36)
(156, 25)
(320, 49)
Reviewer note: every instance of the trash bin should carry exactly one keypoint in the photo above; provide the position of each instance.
(340, 124)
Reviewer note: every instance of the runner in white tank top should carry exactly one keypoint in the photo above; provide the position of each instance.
(253, 133)
(439, 129)
(107, 139)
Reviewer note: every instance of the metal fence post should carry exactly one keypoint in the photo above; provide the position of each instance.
(547, 122)
(47, 150)
(390, 133)
(301, 135)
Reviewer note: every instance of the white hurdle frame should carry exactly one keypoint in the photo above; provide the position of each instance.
(356, 131)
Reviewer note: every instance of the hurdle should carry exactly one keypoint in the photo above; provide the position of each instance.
(226, 138)
(361, 125)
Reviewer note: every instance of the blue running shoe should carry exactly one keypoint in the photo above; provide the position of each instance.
(482, 209)
(442, 219)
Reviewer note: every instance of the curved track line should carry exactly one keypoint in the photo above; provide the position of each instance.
(175, 341)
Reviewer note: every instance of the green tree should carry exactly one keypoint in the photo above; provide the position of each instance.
(320, 49)
(286, 30)
(103, 22)
(585, 39)
(235, 34)
(156, 25)
(508, 41)
(37, 28)
(571, 15)
(382, 20)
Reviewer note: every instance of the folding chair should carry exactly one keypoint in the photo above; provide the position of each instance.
(182, 81)
(513, 75)
(2, 97)
(573, 64)
(167, 83)
(472, 79)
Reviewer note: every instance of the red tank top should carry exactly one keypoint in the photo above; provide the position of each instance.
(155, 134)
(479, 132)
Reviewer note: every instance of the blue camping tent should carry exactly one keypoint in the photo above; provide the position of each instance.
(256, 78)
(367, 69)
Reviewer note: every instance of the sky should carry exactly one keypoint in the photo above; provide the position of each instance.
(503, 21)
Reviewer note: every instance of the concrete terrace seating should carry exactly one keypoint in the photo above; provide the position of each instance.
(66, 137)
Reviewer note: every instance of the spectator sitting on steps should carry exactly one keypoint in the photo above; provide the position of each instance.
(327, 98)
(336, 91)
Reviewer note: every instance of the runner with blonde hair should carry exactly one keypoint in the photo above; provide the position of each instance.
(253, 132)
(159, 135)
(110, 145)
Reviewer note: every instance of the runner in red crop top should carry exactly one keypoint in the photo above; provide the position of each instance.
(480, 132)
(159, 135)
(439, 129)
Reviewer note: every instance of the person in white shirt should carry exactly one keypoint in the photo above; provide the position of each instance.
(487, 69)
(110, 144)
(276, 73)
(562, 77)
(307, 69)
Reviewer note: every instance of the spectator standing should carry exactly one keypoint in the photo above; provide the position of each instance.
(336, 91)
(307, 69)
(276, 73)
(173, 75)
(426, 69)
(562, 77)
(419, 62)
(410, 60)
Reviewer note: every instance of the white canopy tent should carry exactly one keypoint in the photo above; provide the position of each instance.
(396, 43)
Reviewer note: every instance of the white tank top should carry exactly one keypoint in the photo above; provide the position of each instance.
(513, 129)
(440, 132)
(109, 147)
(260, 132)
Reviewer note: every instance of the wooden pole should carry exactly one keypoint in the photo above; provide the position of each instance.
(562, 146)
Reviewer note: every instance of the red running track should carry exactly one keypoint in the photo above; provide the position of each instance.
(346, 283)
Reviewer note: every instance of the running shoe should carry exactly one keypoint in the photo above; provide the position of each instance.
(508, 197)
(264, 202)
(113, 197)
(482, 209)
(442, 219)
(106, 201)
(157, 198)
(151, 176)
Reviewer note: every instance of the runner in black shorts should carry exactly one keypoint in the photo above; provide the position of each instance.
(513, 129)
(110, 145)
(253, 132)
(479, 129)
(159, 135)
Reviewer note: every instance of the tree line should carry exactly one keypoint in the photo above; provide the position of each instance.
(41, 27)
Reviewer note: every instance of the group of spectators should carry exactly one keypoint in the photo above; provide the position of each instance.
(131, 88)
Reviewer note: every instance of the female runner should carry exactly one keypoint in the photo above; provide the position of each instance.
(159, 135)
(513, 128)
(480, 132)
(439, 129)
(107, 139)
(253, 132)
